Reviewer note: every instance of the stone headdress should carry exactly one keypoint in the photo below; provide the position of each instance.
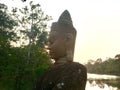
(64, 22)
(65, 18)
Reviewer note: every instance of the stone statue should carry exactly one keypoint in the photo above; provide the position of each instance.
(64, 74)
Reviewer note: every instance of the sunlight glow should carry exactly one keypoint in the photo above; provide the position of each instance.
(97, 23)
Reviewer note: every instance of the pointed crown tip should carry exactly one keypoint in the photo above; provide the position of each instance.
(65, 17)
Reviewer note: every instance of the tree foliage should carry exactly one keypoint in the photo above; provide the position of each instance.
(33, 23)
(6, 27)
(7, 33)
(110, 66)
(28, 26)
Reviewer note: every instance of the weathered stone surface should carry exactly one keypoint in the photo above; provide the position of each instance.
(68, 76)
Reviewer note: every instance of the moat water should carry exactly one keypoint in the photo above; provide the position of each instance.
(103, 82)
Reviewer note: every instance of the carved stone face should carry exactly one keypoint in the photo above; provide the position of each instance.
(57, 45)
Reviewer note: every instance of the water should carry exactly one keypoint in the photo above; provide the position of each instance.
(103, 82)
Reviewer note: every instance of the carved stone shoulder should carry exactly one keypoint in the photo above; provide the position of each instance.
(68, 76)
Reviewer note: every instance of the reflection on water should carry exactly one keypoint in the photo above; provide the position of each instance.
(103, 82)
(99, 86)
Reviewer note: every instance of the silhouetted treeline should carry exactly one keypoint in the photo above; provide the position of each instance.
(110, 66)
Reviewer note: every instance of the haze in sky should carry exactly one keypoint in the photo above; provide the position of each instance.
(97, 23)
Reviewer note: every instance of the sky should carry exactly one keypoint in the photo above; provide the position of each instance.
(97, 23)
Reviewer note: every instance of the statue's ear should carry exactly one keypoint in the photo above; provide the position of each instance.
(69, 40)
(69, 46)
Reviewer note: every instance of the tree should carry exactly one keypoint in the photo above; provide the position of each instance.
(117, 57)
(99, 60)
(110, 66)
(32, 28)
(33, 23)
(7, 34)
(7, 24)
(15, 74)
